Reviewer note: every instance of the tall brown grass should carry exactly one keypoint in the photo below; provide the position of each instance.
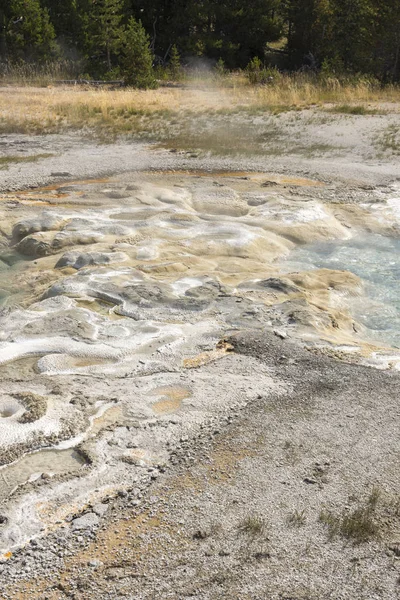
(56, 108)
(37, 74)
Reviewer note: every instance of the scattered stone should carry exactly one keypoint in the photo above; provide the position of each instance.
(100, 509)
(262, 555)
(395, 548)
(80, 260)
(35, 405)
(279, 284)
(200, 535)
(85, 522)
(95, 563)
(280, 334)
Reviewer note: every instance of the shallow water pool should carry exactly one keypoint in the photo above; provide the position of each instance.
(11, 264)
(374, 258)
(33, 465)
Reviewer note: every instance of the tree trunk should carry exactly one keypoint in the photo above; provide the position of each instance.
(396, 63)
(108, 56)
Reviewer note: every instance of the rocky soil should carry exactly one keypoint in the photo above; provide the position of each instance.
(236, 513)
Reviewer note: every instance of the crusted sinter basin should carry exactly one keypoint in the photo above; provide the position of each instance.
(118, 299)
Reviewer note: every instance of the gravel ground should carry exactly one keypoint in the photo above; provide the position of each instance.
(237, 512)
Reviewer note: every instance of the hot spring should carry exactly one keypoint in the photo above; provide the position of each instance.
(376, 260)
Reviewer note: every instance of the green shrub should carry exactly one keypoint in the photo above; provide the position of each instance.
(220, 68)
(258, 74)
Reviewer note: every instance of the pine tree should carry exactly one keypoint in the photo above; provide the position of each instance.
(29, 33)
(70, 18)
(107, 31)
(138, 58)
(352, 29)
(174, 65)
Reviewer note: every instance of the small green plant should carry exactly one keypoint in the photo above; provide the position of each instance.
(389, 140)
(374, 498)
(359, 525)
(5, 161)
(174, 65)
(258, 74)
(220, 68)
(113, 74)
(297, 518)
(252, 525)
(353, 109)
(330, 68)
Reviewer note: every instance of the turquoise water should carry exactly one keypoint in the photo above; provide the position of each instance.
(374, 258)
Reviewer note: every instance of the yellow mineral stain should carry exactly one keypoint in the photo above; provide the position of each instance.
(206, 357)
(89, 362)
(171, 399)
(56, 186)
(101, 307)
(249, 175)
(109, 417)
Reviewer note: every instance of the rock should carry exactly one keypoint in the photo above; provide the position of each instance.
(395, 548)
(262, 555)
(310, 481)
(85, 522)
(279, 284)
(35, 245)
(100, 509)
(95, 563)
(45, 222)
(280, 334)
(79, 260)
(200, 535)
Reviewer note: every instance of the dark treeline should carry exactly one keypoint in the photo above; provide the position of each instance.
(339, 36)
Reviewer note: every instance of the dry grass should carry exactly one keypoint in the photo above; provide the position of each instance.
(359, 525)
(252, 525)
(297, 518)
(355, 109)
(43, 74)
(152, 114)
(5, 161)
(389, 140)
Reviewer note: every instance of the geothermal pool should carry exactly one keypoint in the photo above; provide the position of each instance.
(376, 260)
